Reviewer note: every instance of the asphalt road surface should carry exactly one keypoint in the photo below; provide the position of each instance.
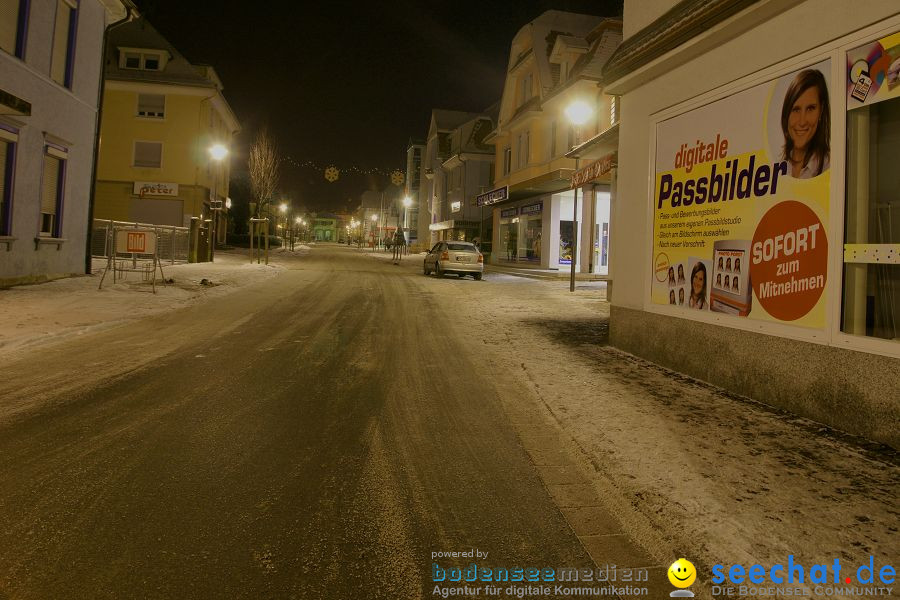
(318, 435)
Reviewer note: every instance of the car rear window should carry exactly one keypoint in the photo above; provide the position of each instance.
(458, 246)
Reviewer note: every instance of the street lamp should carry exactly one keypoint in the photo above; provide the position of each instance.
(217, 152)
(578, 113)
(374, 232)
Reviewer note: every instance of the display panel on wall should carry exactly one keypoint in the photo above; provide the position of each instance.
(741, 203)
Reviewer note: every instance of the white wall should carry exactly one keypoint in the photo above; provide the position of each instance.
(66, 115)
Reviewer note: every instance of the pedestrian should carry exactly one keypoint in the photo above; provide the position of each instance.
(388, 243)
(399, 242)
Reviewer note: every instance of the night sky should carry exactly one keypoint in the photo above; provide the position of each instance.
(348, 83)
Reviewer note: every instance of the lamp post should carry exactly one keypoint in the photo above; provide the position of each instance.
(227, 210)
(283, 209)
(374, 232)
(578, 113)
(217, 152)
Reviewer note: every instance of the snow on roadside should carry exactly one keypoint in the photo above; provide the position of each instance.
(34, 315)
(687, 468)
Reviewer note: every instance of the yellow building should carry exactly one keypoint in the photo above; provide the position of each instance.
(161, 115)
(554, 61)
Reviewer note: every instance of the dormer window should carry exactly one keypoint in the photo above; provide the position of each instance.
(142, 60)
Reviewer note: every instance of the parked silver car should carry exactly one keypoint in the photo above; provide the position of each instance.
(462, 258)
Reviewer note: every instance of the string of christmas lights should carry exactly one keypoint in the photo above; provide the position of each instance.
(342, 169)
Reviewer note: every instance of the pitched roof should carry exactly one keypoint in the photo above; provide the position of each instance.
(141, 34)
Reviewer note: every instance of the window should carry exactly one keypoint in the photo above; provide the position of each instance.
(553, 139)
(151, 105)
(507, 160)
(526, 88)
(137, 59)
(522, 150)
(52, 184)
(7, 167)
(871, 292)
(63, 55)
(148, 154)
(13, 19)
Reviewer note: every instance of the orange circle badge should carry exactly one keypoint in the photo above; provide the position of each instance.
(789, 262)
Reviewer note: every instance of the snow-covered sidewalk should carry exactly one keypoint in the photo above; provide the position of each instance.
(686, 468)
(33, 315)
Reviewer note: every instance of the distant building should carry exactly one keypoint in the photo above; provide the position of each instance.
(554, 61)
(325, 227)
(161, 116)
(468, 170)
(433, 180)
(414, 151)
(50, 68)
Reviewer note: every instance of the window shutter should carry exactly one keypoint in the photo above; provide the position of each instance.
(148, 154)
(151, 105)
(60, 42)
(9, 24)
(50, 191)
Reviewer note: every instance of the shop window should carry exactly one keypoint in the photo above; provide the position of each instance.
(62, 58)
(148, 154)
(151, 105)
(871, 294)
(52, 187)
(13, 19)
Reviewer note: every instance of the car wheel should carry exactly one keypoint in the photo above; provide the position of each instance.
(460, 275)
(477, 276)
(438, 270)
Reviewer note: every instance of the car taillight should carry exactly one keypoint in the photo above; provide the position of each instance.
(445, 255)
(481, 258)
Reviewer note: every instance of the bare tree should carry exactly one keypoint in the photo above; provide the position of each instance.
(263, 165)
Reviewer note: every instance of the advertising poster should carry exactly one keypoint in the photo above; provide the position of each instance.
(741, 200)
(873, 72)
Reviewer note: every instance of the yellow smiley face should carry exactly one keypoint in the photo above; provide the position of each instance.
(682, 573)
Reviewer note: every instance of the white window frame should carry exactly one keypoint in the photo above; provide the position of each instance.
(143, 54)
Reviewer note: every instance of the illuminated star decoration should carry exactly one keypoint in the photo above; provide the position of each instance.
(396, 177)
(332, 174)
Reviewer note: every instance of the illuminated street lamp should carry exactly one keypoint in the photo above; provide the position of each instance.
(217, 152)
(578, 113)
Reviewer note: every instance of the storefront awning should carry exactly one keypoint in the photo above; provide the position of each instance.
(548, 183)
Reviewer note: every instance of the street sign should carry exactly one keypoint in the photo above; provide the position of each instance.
(135, 241)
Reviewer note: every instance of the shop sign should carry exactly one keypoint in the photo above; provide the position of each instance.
(740, 222)
(147, 188)
(532, 209)
(598, 168)
(493, 196)
(455, 206)
(509, 212)
(873, 72)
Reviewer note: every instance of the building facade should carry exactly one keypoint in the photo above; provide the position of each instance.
(414, 151)
(466, 172)
(161, 117)
(50, 69)
(755, 152)
(555, 62)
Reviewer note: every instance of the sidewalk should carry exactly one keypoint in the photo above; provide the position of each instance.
(649, 465)
(32, 315)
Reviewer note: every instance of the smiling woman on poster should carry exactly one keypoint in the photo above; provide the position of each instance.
(698, 287)
(806, 124)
